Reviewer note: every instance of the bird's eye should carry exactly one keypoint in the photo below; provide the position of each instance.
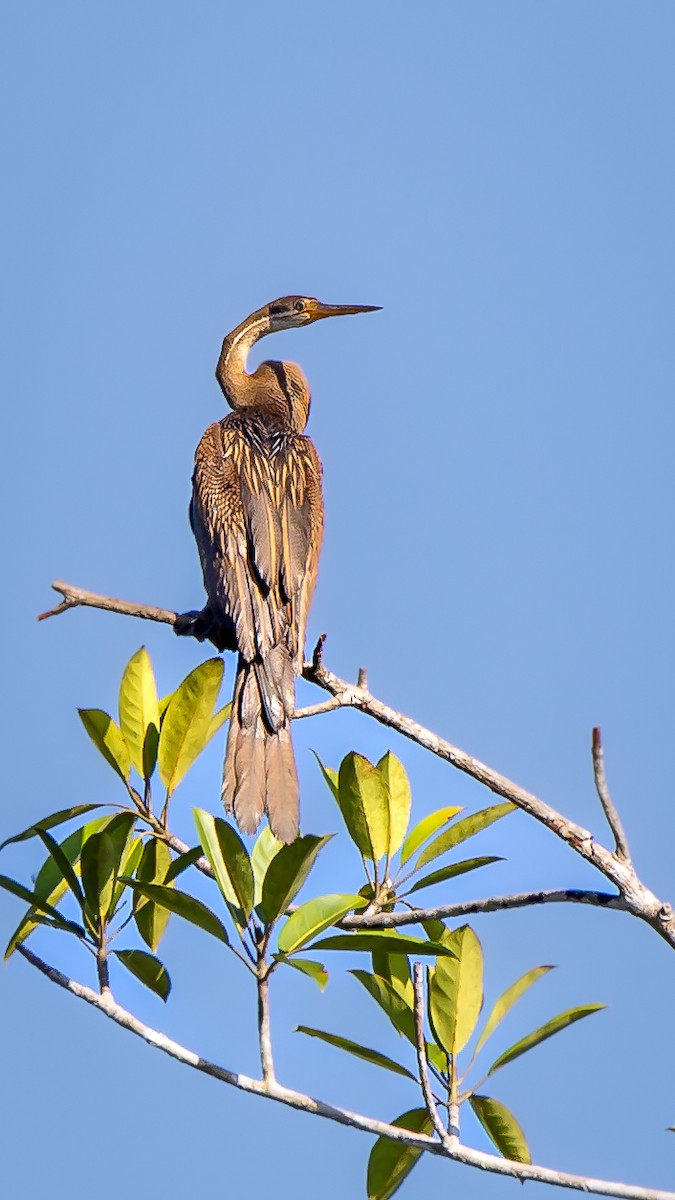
(299, 306)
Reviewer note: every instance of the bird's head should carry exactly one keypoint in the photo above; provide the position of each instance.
(291, 311)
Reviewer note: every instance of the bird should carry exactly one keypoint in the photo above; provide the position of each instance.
(257, 515)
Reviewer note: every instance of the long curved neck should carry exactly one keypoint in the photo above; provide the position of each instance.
(231, 373)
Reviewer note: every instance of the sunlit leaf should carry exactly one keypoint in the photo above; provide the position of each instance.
(218, 720)
(464, 829)
(108, 739)
(425, 829)
(182, 905)
(452, 871)
(456, 991)
(391, 1162)
(57, 818)
(307, 966)
(363, 798)
(398, 785)
(229, 860)
(359, 1051)
(151, 919)
(395, 968)
(330, 775)
(163, 704)
(17, 889)
(148, 969)
(545, 1031)
(312, 918)
(287, 872)
(502, 1128)
(264, 850)
(507, 1000)
(128, 866)
(398, 1010)
(373, 939)
(49, 884)
(139, 711)
(188, 722)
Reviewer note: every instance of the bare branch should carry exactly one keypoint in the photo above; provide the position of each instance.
(264, 1029)
(298, 1100)
(464, 908)
(613, 818)
(74, 597)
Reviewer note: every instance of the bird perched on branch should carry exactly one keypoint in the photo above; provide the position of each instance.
(257, 516)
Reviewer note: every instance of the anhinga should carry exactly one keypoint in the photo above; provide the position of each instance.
(257, 516)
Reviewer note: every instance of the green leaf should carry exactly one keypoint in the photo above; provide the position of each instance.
(148, 969)
(395, 968)
(139, 712)
(287, 872)
(312, 918)
(108, 739)
(373, 939)
(163, 704)
(64, 865)
(182, 863)
(451, 871)
(307, 966)
(187, 725)
(545, 1031)
(425, 829)
(230, 861)
(218, 720)
(128, 866)
(464, 829)
(57, 818)
(398, 786)
(42, 906)
(50, 884)
(264, 850)
(398, 1010)
(502, 1128)
(182, 905)
(363, 798)
(391, 1162)
(507, 1000)
(330, 775)
(99, 863)
(151, 919)
(456, 991)
(359, 1051)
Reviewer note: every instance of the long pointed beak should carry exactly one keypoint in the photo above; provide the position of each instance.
(318, 310)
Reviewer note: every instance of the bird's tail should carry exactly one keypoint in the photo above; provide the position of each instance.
(259, 775)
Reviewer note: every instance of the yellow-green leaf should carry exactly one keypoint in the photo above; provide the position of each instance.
(355, 1048)
(183, 905)
(425, 829)
(139, 711)
(507, 1000)
(364, 802)
(398, 785)
(230, 862)
(502, 1128)
(148, 969)
(287, 872)
(264, 850)
(108, 739)
(391, 1162)
(312, 918)
(152, 919)
(394, 1004)
(464, 829)
(307, 966)
(545, 1031)
(188, 722)
(57, 818)
(456, 990)
(452, 871)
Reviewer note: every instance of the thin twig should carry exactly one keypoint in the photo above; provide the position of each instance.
(74, 597)
(298, 1100)
(315, 710)
(422, 1061)
(613, 818)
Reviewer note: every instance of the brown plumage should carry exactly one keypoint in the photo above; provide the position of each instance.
(257, 516)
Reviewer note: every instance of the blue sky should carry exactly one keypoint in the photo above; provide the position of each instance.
(497, 447)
